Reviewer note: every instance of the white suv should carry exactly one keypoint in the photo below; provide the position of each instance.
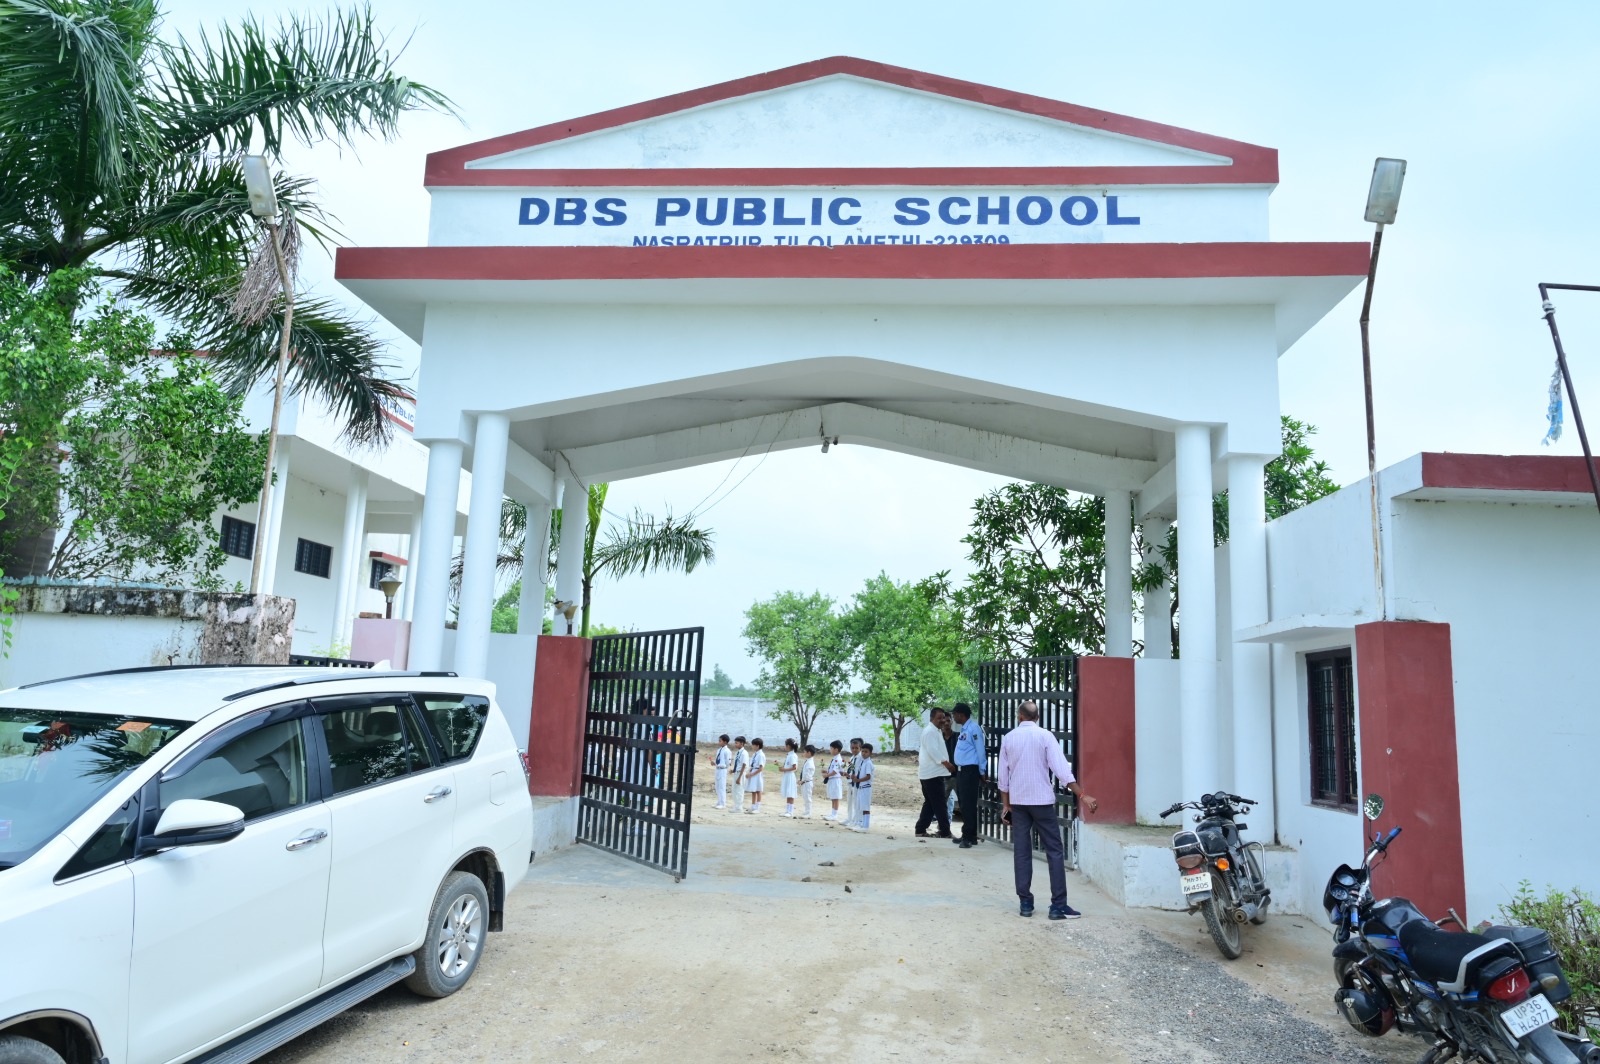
(205, 862)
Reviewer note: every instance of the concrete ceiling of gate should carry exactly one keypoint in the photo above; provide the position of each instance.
(1007, 438)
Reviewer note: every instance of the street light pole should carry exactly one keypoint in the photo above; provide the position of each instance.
(1383, 201)
(264, 205)
(1566, 374)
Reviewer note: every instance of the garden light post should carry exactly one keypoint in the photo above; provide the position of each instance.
(1383, 201)
(390, 585)
(1566, 374)
(264, 205)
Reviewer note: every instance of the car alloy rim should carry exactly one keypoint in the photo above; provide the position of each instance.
(460, 932)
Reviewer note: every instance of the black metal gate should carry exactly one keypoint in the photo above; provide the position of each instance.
(1002, 686)
(638, 746)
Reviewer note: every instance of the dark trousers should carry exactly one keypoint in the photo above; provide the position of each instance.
(967, 785)
(933, 806)
(1024, 819)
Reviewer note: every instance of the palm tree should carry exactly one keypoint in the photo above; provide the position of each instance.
(641, 543)
(122, 155)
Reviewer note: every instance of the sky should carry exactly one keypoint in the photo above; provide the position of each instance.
(1497, 112)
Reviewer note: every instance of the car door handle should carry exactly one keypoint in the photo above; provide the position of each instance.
(306, 838)
(435, 794)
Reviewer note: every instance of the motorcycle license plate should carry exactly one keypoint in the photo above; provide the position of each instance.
(1529, 1016)
(1197, 883)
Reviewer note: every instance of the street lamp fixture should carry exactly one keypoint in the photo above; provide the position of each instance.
(390, 585)
(264, 206)
(1383, 202)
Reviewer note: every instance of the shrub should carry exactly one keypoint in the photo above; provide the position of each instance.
(1572, 919)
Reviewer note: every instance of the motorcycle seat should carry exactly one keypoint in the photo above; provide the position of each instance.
(1449, 959)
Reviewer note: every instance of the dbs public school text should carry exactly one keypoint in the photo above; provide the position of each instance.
(817, 210)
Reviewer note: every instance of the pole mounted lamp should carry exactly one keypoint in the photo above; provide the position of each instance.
(390, 585)
(264, 206)
(1383, 202)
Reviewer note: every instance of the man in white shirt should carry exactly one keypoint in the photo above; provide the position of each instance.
(933, 766)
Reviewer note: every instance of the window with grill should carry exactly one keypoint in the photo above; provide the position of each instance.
(312, 558)
(380, 572)
(1330, 682)
(238, 537)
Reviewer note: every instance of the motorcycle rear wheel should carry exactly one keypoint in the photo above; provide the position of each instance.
(1225, 932)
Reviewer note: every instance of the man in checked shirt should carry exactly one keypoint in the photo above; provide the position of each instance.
(1029, 756)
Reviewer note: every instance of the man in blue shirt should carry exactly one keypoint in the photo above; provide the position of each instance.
(971, 759)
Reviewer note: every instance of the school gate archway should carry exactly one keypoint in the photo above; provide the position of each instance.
(847, 250)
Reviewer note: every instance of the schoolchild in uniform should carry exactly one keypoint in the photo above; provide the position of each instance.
(808, 777)
(721, 760)
(850, 795)
(835, 778)
(755, 777)
(864, 788)
(789, 787)
(741, 768)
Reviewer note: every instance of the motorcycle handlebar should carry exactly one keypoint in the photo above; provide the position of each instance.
(1171, 809)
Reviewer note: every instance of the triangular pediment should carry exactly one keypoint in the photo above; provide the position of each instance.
(850, 114)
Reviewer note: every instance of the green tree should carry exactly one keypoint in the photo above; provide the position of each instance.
(641, 543)
(722, 684)
(804, 651)
(121, 153)
(909, 649)
(140, 448)
(1037, 586)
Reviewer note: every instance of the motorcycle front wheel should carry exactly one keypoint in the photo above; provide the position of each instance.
(1224, 931)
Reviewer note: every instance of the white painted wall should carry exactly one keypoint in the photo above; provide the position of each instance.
(1157, 750)
(45, 646)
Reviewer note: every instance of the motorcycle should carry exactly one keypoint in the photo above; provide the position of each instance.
(1485, 997)
(1219, 872)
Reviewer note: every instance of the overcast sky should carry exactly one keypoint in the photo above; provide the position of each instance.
(1494, 105)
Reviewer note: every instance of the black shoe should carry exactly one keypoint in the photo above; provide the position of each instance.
(1027, 908)
(955, 838)
(944, 835)
(965, 845)
(1064, 912)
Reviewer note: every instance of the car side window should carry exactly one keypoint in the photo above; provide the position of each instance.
(371, 739)
(456, 722)
(262, 772)
(112, 844)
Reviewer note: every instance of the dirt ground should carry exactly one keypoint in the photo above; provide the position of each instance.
(797, 939)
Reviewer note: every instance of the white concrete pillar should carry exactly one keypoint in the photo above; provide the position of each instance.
(1157, 600)
(1252, 662)
(430, 561)
(1197, 596)
(569, 557)
(482, 547)
(408, 590)
(1119, 574)
(535, 570)
(351, 555)
(270, 537)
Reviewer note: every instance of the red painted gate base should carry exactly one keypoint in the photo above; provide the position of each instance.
(560, 706)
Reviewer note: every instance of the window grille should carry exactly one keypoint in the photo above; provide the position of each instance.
(1330, 682)
(312, 558)
(238, 537)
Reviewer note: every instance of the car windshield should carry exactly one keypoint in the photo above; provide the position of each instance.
(54, 765)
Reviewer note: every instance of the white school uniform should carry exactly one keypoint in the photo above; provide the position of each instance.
(741, 766)
(808, 780)
(864, 787)
(835, 777)
(754, 779)
(723, 759)
(789, 788)
(850, 790)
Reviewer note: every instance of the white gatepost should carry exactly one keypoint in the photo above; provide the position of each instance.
(535, 569)
(1197, 590)
(408, 590)
(481, 551)
(569, 555)
(349, 563)
(1252, 662)
(1158, 599)
(270, 538)
(431, 559)
(1119, 574)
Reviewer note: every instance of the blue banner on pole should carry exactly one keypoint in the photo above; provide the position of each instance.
(1554, 410)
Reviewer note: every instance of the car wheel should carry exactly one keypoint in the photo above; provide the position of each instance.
(454, 942)
(14, 1049)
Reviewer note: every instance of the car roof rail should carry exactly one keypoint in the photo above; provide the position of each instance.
(335, 675)
(136, 669)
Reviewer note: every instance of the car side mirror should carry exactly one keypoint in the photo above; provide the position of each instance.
(192, 822)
